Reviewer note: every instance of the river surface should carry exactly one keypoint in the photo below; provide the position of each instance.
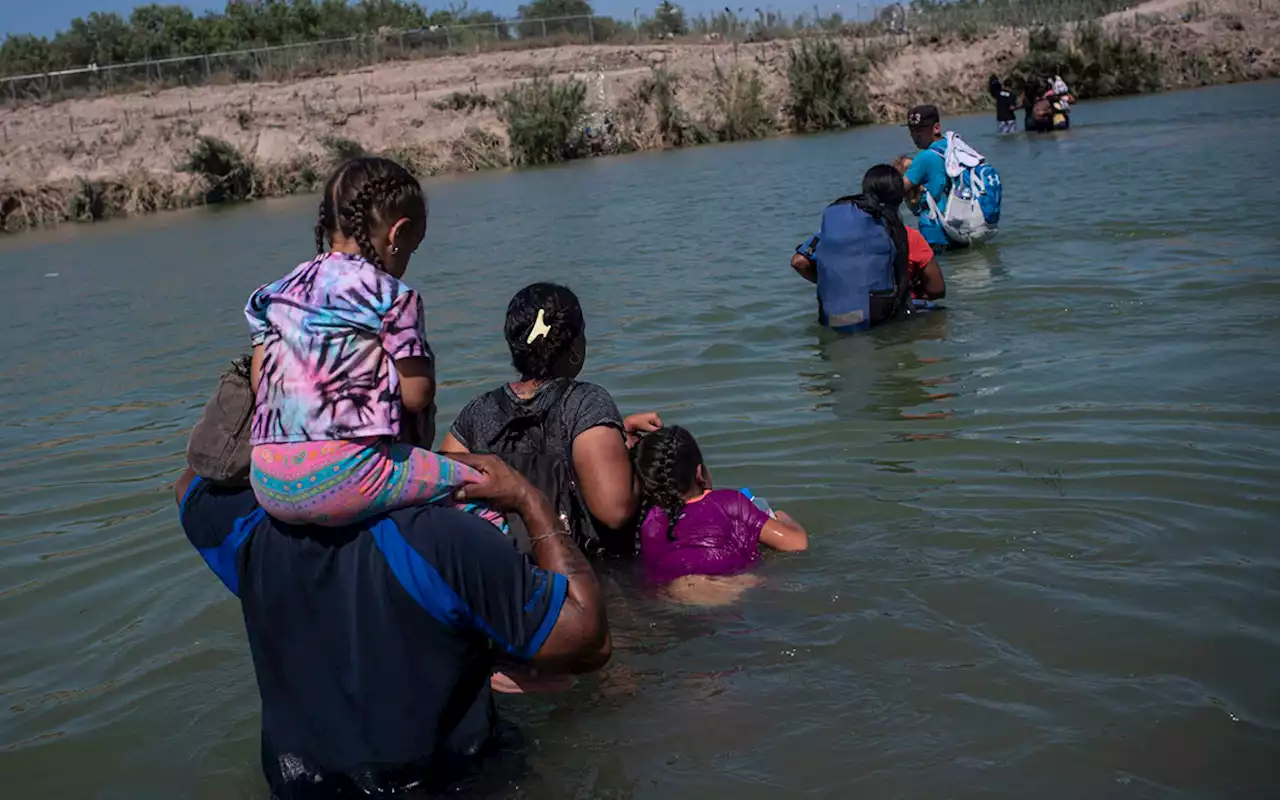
(1045, 527)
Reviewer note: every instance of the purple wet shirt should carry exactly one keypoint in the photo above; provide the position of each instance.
(717, 535)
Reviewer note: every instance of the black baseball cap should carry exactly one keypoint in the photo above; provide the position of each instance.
(923, 116)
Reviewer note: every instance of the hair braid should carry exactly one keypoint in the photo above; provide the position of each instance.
(362, 206)
(667, 462)
(323, 223)
(666, 495)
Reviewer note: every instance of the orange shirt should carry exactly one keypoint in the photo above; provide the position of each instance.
(919, 253)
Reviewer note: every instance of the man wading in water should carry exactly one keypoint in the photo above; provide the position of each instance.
(373, 643)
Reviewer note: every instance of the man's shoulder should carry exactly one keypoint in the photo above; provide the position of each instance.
(441, 533)
(210, 512)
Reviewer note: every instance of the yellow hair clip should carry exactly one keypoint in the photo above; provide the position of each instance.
(540, 328)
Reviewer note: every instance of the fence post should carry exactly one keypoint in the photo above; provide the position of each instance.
(591, 30)
(206, 67)
(544, 28)
(448, 37)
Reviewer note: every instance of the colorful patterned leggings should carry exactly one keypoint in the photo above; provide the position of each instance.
(341, 482)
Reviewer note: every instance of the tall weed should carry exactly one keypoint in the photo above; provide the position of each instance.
(827, 87)
(228, 174)
(544, 119)
(738, 111)
(675, 128)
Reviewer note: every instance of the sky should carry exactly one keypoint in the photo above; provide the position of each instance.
(46, 17)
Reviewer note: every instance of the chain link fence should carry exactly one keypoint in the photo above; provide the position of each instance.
(888, 24)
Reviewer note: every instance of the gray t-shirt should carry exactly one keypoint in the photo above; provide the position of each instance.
(583, 406)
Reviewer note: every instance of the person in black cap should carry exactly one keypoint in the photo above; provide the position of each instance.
(928, 171)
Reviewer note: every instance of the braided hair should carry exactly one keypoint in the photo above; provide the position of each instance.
(667, 462)
(364, 192)
(561, 315)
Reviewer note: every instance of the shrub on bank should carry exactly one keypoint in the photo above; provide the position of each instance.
(340, 148)
(1096, 62)
(675, 128)
(544, 119)
(466, 102)
(478, 149)
(228, 174)
(738, 109)
(827, 87)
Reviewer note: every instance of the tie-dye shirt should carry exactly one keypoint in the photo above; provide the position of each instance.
(331, 331)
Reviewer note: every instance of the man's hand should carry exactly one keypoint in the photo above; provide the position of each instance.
(502, 487)
(636, 424)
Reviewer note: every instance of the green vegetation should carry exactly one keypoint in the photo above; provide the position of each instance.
(667, 22)
(228, 174)
(828, 87)
(1096, 62)
(166, 31)
(675, 128)
(340, 148)
(544, 119)
(738, 109)
(463, 101)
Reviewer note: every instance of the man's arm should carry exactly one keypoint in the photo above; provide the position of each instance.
(579, 640)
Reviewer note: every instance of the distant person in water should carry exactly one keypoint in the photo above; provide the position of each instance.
(691, 528)
(341, 360)
(1006, 105)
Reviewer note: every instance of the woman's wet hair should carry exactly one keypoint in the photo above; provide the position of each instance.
(543, 322)
(667, 462)
(363, 192)
(882, 197)
(994, 86)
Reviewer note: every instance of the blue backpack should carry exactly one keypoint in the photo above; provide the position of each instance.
(855, 259)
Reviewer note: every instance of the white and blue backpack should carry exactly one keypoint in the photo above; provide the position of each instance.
(973, 194)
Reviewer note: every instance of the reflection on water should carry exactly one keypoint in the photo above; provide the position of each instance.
(1043, 553)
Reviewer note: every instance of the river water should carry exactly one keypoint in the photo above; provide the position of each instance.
(1045, 531)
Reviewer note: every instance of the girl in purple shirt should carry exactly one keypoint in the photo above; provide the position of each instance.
(691, 528)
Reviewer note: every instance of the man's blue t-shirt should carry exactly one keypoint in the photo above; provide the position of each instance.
(928, 170)
(373, 644)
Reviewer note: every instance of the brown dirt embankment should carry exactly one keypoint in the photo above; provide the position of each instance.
(121, 154)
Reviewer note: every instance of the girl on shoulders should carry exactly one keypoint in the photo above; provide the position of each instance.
(341, 363)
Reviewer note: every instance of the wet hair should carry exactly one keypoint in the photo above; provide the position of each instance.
(994, 86)
(667, 462)
(561, 313)
(365, 191)
(882, 197)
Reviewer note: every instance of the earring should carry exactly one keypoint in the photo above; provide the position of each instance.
(395, 249)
